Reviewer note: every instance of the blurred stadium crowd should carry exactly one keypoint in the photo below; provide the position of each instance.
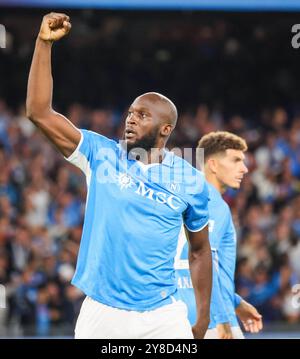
(221, 78)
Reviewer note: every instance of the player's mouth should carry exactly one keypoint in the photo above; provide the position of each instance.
(129, 133)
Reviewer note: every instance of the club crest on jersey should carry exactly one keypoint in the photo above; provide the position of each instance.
(173, 187)
(124, 181)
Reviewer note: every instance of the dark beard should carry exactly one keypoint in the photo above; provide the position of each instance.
(147, 142)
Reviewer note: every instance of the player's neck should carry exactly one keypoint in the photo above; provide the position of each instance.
(213, 180)
(156, 155)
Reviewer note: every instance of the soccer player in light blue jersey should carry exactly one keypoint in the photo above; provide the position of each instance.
(138, 196)
(224, 168)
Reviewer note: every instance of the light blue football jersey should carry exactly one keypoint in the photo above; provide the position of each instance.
(222, 237)
(133, 216)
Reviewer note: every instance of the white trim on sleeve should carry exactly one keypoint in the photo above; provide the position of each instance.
(197, 230)
(78, 159)
(74, 153)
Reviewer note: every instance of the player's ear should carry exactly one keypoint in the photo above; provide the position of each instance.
(212, 164)
(166, 130)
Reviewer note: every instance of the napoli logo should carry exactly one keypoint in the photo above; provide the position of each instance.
(173, 187)
(124, 181)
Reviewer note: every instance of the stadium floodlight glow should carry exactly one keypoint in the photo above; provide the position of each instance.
(2, 37)
(227, 5)
(2, 296)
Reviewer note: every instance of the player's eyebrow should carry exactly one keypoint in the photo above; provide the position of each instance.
(140, 109)
(239, 158)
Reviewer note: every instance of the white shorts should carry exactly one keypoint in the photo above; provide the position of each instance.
(99, 321)
(213, 334)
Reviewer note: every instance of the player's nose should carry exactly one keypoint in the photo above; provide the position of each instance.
(245, 169)
(132, 119)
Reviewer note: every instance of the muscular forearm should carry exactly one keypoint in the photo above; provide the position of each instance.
(56, 127)
(40, 83)
(201, 274)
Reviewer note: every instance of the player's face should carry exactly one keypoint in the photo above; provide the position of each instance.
(231, 168)
(143, 123)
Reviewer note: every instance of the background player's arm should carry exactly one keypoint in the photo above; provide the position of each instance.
(57, 128)
(237, 300)
(201, 274)
(218, 305)
(249, 316)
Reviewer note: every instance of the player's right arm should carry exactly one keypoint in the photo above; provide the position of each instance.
(200, 263)
(57, 128)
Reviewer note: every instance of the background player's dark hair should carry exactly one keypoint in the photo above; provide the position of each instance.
(220, 141)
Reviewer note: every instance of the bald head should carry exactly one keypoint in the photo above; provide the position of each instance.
(150, 121)
(169, 110)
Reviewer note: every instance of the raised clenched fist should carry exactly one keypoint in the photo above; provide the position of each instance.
(54, 26)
